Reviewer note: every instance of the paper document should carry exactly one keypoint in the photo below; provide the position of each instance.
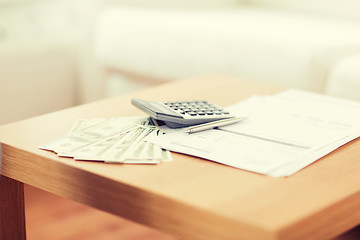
(283, 133)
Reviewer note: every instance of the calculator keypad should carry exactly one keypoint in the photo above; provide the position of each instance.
(197, 109)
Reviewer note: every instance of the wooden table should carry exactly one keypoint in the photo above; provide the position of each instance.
(190, 198)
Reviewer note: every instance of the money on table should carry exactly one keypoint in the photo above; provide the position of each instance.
(115, 140)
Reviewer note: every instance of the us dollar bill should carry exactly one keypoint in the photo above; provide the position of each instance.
(115, 140)
(166, 155)
(85, 123)
(69, 144)
(96, 151)
(126, 148)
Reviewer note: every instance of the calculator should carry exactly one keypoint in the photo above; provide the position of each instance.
(182, 113)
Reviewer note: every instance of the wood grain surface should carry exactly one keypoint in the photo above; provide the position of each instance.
(52, 217)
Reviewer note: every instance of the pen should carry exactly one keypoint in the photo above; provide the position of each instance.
(214, 124)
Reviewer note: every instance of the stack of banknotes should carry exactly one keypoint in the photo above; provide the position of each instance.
(115, 140)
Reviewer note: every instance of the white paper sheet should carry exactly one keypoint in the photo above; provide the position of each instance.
(283, 134)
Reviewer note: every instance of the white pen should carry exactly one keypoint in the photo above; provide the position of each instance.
(214, 124)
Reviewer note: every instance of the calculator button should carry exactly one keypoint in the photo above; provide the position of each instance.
(197, 109)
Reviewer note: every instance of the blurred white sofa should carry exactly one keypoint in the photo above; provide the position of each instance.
(306, 44)
(45, 56)
(35, 79)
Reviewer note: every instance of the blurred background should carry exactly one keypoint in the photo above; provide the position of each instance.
(56, 54)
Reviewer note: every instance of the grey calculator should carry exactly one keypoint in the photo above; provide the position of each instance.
(182, 113)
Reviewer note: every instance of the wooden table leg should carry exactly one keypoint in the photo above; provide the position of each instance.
(12, 210)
